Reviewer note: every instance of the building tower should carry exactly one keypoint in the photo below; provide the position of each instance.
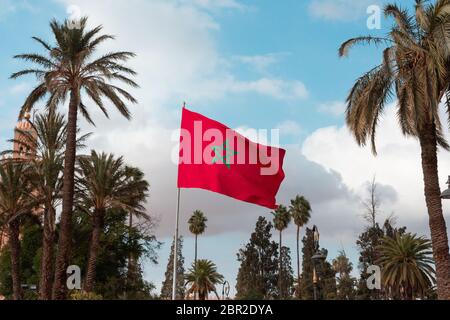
(25, 133)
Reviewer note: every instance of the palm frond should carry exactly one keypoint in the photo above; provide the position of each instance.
(347, 45)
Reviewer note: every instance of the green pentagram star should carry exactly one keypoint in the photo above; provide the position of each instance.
(222, 154)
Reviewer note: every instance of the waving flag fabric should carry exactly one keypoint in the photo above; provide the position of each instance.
(213, 157)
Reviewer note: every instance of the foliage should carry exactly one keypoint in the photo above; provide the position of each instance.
(82, 295)
(414, 66)
(407, 265)
(197, 222)
(345, 282)
(368, 243)
(287, 281)
(281, 218)
(326, 286)
(166, 289)
(69, 69)
(257, 275)
(68, 64)
(30, 256)
(300, 211)
(202, 278)
(113, 280)
(414, 70)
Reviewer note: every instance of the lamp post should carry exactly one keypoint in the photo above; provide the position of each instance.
(315, 280)
(225, 289)
(317, 258)
(446, 194)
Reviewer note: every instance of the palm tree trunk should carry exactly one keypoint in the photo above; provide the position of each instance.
(14, 245)
(195, 263)
(65, 233)
(45, 286)
(298, 263)
(195, 255)
(437, 224)
(280, 270)
(2, 237)
(93, 250)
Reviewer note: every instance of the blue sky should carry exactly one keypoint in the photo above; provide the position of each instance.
(249, 64)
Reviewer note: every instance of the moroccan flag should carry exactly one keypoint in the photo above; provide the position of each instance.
(213, 157)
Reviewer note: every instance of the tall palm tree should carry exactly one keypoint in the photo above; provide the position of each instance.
(415, 68)
(105, 183)
(47, 141)
(281, 220)
(300, 211)
(15, 201)
(407, 265)
(68, 69)
(203, 278)
(197, 226)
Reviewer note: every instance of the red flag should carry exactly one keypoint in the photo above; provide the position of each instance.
(213, 157)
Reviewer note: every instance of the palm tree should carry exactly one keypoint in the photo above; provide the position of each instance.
(15, 201)
(68, 69)
(300, 211)
(407, 265)
(105, 183)
(197, 226)
(341, 264)
(415, 68)
(281, 220)
(47, 140)
(203, 278)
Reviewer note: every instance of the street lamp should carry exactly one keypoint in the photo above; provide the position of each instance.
(317, 258)
(225, 289)
(446, 193)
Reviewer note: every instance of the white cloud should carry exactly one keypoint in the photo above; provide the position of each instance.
(261, 63)
(334, 108)
(276, 88)
(20, 88)
(177, 59)
(10, 6)
(398, 165)
(6, 6)
(216, 4)
(339, 10)
(289, 128)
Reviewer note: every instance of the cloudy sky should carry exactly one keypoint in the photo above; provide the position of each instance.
(249, 64)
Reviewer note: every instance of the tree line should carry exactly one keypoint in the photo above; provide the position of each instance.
(266, 269)
(54, 175)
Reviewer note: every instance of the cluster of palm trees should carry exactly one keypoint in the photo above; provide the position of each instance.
(69, 70)
(300, 212)
(415, 68)
(33, 185)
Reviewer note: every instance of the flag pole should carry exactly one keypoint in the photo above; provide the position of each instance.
(175, 248)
